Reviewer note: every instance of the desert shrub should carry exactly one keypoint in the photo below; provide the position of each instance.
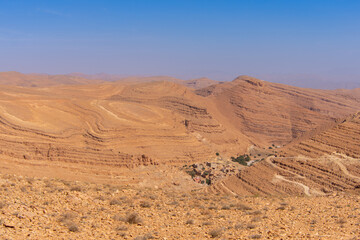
(119, 218)
(133, 218)
(175, 203)
(205, 212)
(145, 204)
(72, 227)
(76, 189)
(152, 197)
(144, 237)
(255, 212)
(312, 222)
(215, 233)
(121, 228)
(207, 223)
(255, 236)
(66, 183)
(102, 198)
(242, 159)
(256, 219)
(212, 207)
(115, 202)
(239, 226)
(29, 180)
(250, 226)
(225, 207)
(190, 222)
(341, 221)
(192, 173)
(243, 207)
(67, 220)
(208, 181)
(66, 217)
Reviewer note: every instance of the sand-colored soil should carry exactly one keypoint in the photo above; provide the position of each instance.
(56, 209)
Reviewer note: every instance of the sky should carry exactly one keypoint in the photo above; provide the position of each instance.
(311, 43)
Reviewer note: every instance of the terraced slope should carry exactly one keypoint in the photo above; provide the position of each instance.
(342, 138)
(89, 127)
(295, 176)
(276, 113)
(327, 162)
(100, 127)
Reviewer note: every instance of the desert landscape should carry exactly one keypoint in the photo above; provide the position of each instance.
(187, 120)
(165, 158)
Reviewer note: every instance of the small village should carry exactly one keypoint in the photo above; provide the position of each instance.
(210, 172)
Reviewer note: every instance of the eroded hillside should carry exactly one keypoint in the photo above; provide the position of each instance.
(98, 128)
(326, 163)
(275, 113)
(109, 125)
(343, 138)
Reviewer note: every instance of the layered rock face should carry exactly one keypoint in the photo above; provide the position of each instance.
(322, 164)
(343, 137)
(124, 124)
(294, 176)
(276, 113)
(109, 125)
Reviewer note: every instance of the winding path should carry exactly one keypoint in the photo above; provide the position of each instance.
(306, 188)
(343, 167)
(226, 188)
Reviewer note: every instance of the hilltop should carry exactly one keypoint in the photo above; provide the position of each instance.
(273, 113)
(41, 80)
(124, 124)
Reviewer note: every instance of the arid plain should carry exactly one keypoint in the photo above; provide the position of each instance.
(163, 158)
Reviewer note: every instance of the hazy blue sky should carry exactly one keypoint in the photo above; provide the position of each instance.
(285, 41)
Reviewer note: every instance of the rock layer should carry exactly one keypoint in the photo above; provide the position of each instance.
(276, 113)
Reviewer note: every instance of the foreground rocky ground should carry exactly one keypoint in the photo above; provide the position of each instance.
(33, 208)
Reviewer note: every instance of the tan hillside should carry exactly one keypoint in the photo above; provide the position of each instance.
(41, 80)
(343, 137)
(109, 126)
(193, 83)
(125, 124)
(200, 83)
(277, 113)
(325, 163)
